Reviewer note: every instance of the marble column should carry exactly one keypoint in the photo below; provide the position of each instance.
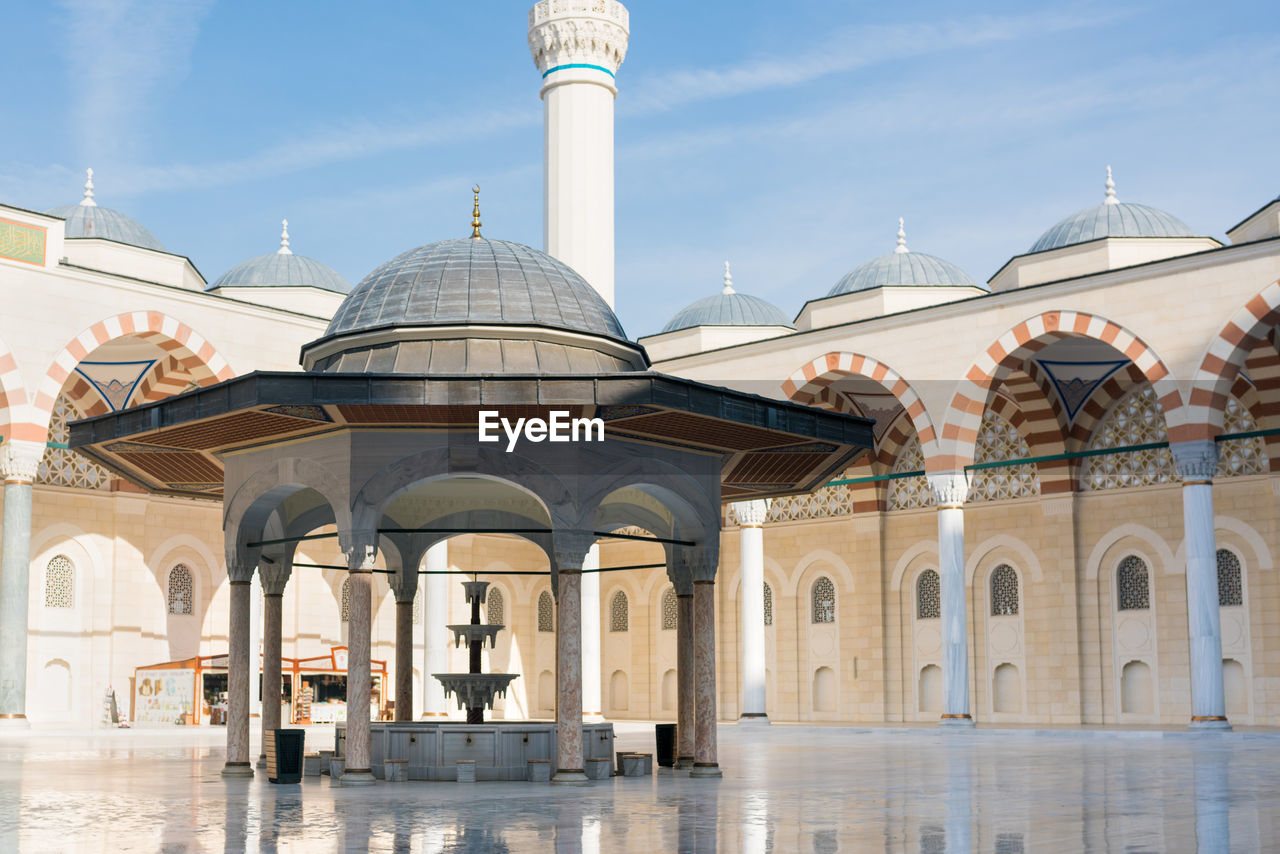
(404, 660)
(238, 643)
(705, 760)
(19, 462)
(273, 575)
(1196, 463)
(569, 759)
(360, 562)
(685, 715)
(435, 639)
(592, 639)
(950, 489)
(751, 516)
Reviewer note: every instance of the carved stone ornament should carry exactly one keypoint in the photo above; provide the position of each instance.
(568, 32)
(949, 488)
(20, 460)
(1195, 460)
(751, 513)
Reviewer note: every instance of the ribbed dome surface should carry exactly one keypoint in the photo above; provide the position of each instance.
(733, 309)
(475, 281)
(282, 271)
(903, 269)
(97, 221)
(1112, 220)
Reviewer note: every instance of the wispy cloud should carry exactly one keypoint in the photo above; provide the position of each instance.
(847, 50)
(122, 55)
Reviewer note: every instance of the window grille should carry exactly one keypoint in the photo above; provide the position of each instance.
(999, 440)
(1133, 584)
(63, 466)
(546, 613)
(824, 601)
(670, 609)
(494, 608)
(1230, 587)
(344, 609)
(60, 583)
(180, 591)
(768, 604)
(1135, 420)
(1004, 591)
(928, 596)
(908, 492)
(618, 619)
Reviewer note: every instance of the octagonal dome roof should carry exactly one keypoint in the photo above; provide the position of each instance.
(1112, 218)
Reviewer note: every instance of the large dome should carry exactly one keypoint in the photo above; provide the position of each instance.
(474, 305)
(728, 308)
(903, 268)
(87, 219)
(282, 269)
(1112, 218)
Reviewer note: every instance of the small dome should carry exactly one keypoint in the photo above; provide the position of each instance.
(1112, 218)
(728, 308)
(903, 268)
(87, 219)
(282, 269)
(474, 305)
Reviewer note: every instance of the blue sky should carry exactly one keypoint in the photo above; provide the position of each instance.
(786, 138)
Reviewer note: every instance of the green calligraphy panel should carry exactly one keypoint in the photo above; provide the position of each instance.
(22, 242)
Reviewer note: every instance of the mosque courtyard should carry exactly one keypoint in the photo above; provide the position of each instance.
(785, 789)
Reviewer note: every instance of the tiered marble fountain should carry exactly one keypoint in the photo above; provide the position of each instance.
(475, 690)
(501, 750)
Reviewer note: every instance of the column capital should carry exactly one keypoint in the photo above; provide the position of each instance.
(579, 39)
(274, 572)
(751, 514)
(361, 549)
(1196, 460)
(949, 488)
(20, 460)
(569, 547)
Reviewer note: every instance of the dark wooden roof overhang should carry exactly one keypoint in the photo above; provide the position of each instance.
(768, 447)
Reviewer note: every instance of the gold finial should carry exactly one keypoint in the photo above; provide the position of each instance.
(475, 213)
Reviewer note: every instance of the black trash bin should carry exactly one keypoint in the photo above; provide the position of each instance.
(665, 735)
(284, 756)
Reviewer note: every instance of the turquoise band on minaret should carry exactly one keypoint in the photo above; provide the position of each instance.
(579, 65)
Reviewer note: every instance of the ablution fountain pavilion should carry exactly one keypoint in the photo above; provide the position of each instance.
(379, 440)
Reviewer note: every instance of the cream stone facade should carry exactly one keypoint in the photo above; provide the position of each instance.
(1037, 537)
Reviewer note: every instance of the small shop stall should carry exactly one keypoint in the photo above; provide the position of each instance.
(194, 690)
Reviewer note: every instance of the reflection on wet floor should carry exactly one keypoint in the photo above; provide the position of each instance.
(786, 789)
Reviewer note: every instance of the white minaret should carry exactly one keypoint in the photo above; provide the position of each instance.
(578, 46)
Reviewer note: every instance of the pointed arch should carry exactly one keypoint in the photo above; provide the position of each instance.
(1010, 350)
(1223, 360)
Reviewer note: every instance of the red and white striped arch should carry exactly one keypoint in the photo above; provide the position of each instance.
(808, 385)
(13, 394)
(1222, 361)
(189, 348)
(1010, 350)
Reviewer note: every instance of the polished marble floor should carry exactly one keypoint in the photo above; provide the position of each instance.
(786, 789)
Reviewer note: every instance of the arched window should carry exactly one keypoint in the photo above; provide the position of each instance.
(180, 597)
(494, 608)
(344, 608)
(824, 601)
(999, 440)
(1004, 591)
(618, 620)
(60, 583)
(546, 613)
(928, 596)
(1230, 589)
(768, 604)
(1133, 584)
(670, 609)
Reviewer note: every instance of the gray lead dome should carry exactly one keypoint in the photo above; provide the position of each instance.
(96, 221)
(474, 305)
(1118, 219)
